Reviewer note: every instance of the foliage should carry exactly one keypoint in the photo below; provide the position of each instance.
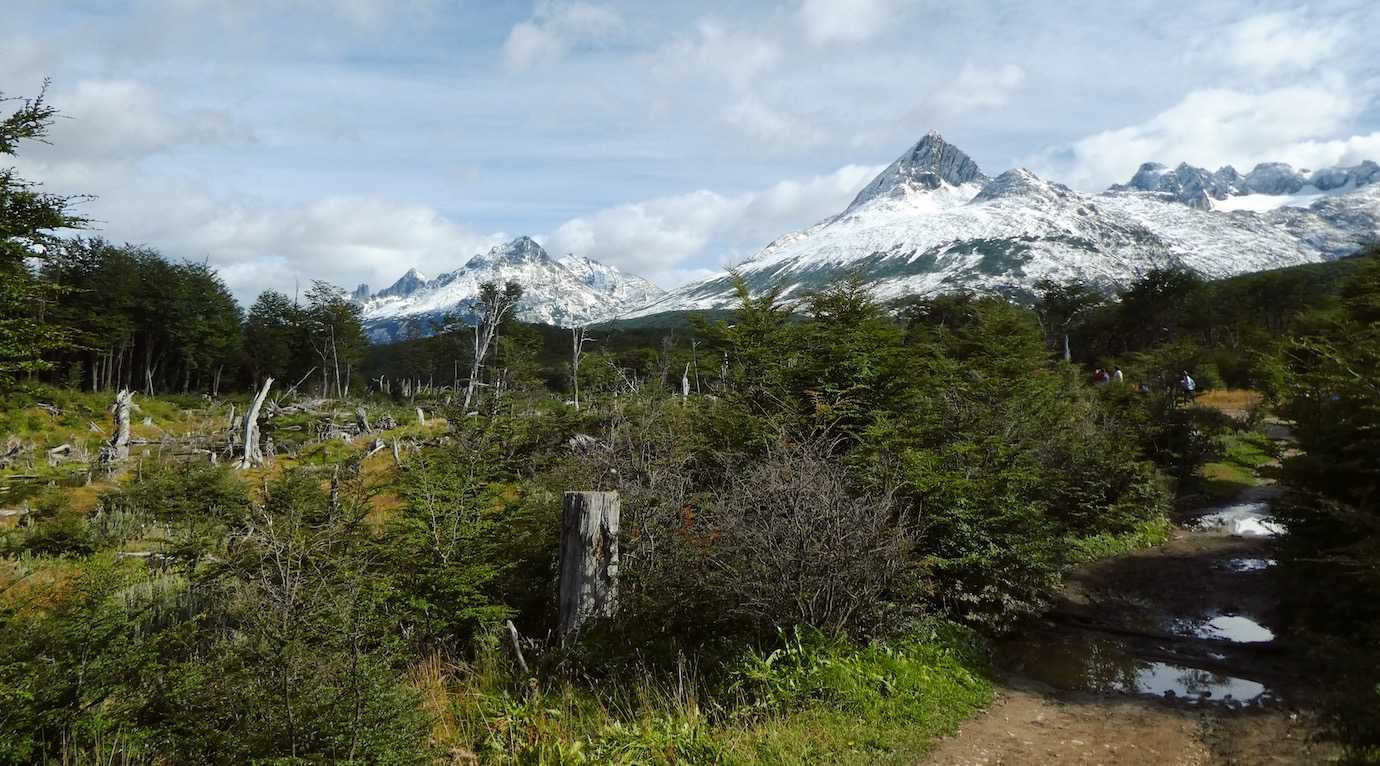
(29, 219)
(1333, 509)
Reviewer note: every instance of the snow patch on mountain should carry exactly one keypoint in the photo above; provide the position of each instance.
(567, 291)
(934, 222)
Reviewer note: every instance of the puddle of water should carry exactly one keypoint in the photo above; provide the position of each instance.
(1243, 520)
(1247, 565)
(1107, 666)
(1235, 628)
(1195, 685)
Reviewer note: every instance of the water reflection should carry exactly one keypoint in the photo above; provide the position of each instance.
(1107, 666)
(1242, 520)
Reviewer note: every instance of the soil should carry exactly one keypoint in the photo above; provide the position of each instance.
(1125, 670)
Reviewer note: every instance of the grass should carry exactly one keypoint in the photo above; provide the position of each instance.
(1237, 402)
(1146, 534)
(1245, 457)
(814, 699)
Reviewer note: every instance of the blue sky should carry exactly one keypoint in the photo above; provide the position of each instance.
(300, 139)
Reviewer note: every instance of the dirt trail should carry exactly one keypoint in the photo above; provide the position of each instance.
(1164, 656)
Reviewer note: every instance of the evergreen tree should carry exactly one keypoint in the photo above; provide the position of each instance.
(28, 219)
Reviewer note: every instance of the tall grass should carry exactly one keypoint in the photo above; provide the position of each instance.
(812, 699)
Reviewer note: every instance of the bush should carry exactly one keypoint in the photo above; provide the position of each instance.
(791, 541)
(182, 493)
(55, 529)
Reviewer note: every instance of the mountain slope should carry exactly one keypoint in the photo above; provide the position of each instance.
(933, 222)
(559, 291)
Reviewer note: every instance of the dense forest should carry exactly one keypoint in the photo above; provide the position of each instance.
(830, 507)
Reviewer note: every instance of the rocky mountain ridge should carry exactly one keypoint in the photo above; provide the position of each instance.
(933, 221)
(562, 291)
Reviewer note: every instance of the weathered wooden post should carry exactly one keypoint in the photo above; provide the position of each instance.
(589, 558)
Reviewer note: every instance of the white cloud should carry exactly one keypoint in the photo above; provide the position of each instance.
(845, 21)
(1211, 127)
(669, 239)
(770, 126)
(1286, 41)
(557, 27)
(979, 88)
(343, 238)
(125, 120)
(735, 57)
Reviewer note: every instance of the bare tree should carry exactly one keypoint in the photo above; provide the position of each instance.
(494, 306)
(578, 339)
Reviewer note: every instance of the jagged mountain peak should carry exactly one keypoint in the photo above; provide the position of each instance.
(1020, 182)
(407, 284)
(524, 249)
(929, 164)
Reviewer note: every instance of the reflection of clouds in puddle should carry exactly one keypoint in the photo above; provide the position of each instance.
(1248, 565)
(1242, 520)
(1163, 679)
(1237, 628)
(1108, 666)
(1227, 627)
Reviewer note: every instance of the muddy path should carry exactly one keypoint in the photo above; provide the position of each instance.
(1171, 655)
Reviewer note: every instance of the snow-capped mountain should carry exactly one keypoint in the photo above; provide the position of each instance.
(561, 291)
(934, 222)
(1268, 185)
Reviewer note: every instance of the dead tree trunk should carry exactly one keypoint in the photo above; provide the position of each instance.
(362, 421)
(589, 558)
(117, 449)
(252, 454)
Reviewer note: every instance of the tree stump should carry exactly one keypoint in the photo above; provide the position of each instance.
(117, 449)
(252, 454)
(589, 558)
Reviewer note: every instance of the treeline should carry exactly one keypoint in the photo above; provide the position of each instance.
(1228, 331)
(126, 317)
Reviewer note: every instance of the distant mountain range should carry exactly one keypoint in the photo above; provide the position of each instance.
(562, 291)
(933, 222)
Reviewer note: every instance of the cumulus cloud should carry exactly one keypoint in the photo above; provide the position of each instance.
(845, 21)
(345, 238)
(1272, 43)
(125, 120)
(733, 56)
(1211, 127)
(978, 87)
(557, 27)
(668, 239)
(771, 126)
